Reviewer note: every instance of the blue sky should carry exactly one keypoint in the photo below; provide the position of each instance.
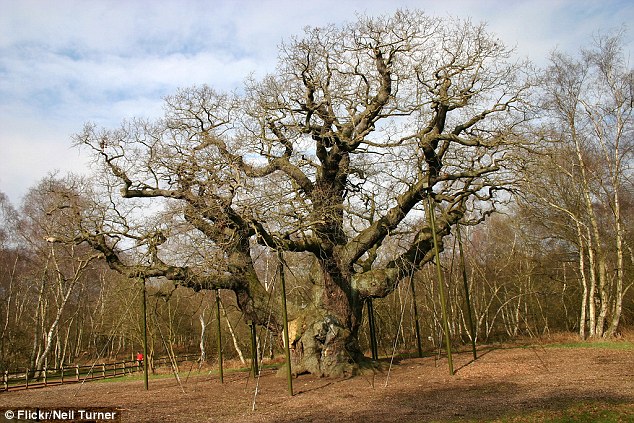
(66, 62)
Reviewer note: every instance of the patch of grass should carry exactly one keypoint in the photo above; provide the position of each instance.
(183, 373)
(131, 378)
(578, 413)
(610, 345)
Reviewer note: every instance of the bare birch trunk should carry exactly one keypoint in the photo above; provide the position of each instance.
(5, 336)
(233, 335)
(40, 315)
(203, 330)
(60, 309)
(584, 282)
(64, 289)
(618, 291)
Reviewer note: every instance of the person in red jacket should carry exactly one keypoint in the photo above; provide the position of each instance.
(139, 359)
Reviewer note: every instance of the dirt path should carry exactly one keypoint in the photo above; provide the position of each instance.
(502, 382)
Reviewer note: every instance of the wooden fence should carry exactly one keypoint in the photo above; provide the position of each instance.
(29, 379)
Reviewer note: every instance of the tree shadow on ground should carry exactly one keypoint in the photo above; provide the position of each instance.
(480, 403)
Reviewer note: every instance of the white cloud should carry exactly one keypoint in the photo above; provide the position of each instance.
(31, 148)
(65, 62)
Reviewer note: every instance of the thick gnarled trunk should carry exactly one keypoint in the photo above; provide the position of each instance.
(324, 337)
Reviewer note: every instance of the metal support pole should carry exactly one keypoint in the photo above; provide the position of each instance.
(145, 357)
(467, 296)
(419, 343)
(287, 347)
(371, 323)
(441, 284)
(218, 326)
(254, 350)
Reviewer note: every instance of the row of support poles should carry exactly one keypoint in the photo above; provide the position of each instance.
(373, 344)
(370, 307)
(287, 347)
(441, 283)
(467, 297)
(220, 364)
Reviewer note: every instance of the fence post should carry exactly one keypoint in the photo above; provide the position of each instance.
(45, 380)
(5, 380)
(62, 370)
(27, 378)
(103, 370)
(77, 371)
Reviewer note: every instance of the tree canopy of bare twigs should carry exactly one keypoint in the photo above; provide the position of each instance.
(332, 157)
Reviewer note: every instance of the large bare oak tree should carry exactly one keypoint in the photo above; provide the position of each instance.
(333, 157)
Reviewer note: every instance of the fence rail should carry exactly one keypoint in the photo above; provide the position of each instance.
(29, 379)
